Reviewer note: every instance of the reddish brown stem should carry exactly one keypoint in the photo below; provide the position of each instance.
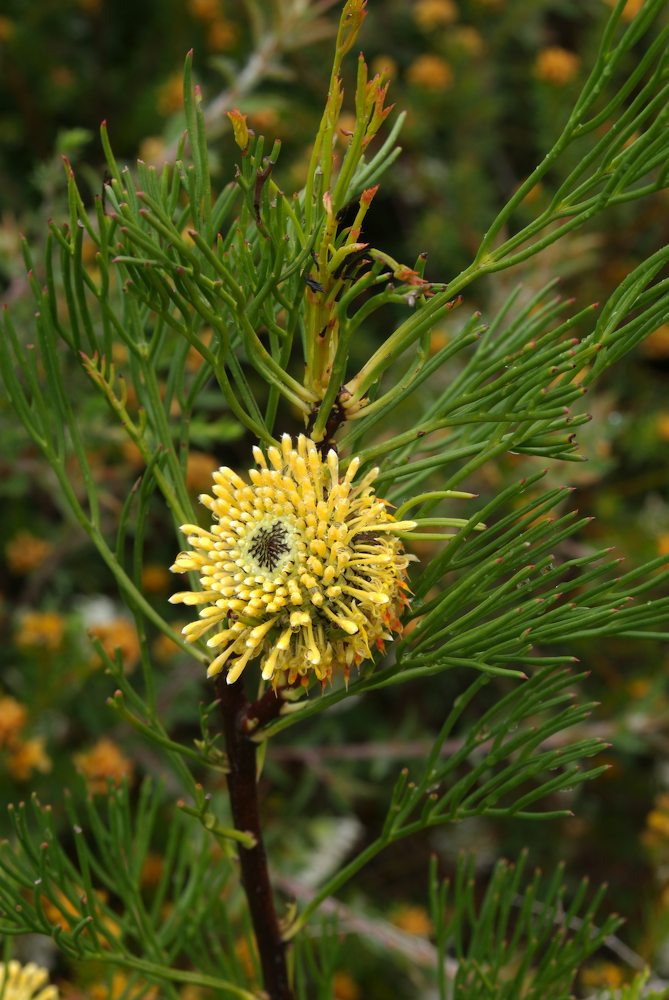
(243, 791)
(266, 708)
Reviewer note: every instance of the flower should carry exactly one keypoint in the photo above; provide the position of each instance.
(264, 120)
(152, 870)
(40, 629)
(221, 35)
(7, 28)
(662, 426)
(385, 66)
(22, 982)
(118, 634)
(434, 13)
(204, 10)
(170, 94)
(656, 344)
(102, 763)
(191, 993)
(152, 152)
(13, 715)
(657, 820)
(60, 911)
(194, 359)
(163, 647)
(412, 920)
(155, 579)
(630, 10)
(247, 957)
(25, 552)
(200, 468)
(302, 569)
(439, 338)
(345, 987)
(28, 756)
(120, 987)
(556, 65)
(468, 40)
(605, 974)
(430, 73)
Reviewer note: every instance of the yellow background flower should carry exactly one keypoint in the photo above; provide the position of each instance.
(40, 629)
(430, 73)
(556, 65)
(102, 762)
(121, 634)
(13, 715)
(26, 552)
(25, 982)
(28, 756)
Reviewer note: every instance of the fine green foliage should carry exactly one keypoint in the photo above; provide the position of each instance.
(638, 989)
(92, 902)
(518, 940)
(272, 295)
(500, 768)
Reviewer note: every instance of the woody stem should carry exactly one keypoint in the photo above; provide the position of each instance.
(243, 791)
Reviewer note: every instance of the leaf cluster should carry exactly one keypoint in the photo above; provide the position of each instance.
(516, 939)
(86, 890)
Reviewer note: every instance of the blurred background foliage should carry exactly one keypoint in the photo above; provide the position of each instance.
(486, 84)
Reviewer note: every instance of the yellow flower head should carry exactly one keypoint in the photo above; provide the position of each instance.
(102, 762)
(152, 152)
(120, 988)
(221, 35)
(40, 629)
(25, 552)
(118, 634)
(630, 10)
(556, 65)
(605, 974)
(25, 982)
(28, 756)
(155, 579)
(170, 95)
(413, 920)
(435, 13)
(656, 344)
(7, 28)
(204, 10)
(13, 715)
(430, 72)
(302, 569)
(199, 470)
(345, 987)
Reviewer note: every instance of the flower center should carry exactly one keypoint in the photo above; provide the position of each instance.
(269, 545)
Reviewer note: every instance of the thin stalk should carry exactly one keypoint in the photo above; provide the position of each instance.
(409, 331)
(336, 882)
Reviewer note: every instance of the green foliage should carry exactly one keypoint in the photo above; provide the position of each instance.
(498, 769)
(92, 902)
(273, 295)
(635, 990)
(515, 941)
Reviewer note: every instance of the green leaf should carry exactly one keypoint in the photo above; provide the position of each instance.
(519, 939)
